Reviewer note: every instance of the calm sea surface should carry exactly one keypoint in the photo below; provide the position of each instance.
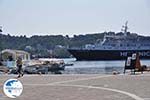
(96, 67)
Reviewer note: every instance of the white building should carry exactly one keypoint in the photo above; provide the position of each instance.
(9, 57)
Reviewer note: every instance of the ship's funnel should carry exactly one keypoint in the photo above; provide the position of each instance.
(1, 29)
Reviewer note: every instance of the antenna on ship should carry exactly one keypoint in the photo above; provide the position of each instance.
(125, 28)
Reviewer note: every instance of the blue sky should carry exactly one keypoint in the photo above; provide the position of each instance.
(69, 17)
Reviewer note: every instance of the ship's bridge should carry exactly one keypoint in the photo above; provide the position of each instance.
(121, 43)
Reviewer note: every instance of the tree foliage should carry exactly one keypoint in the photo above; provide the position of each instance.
(46, 46)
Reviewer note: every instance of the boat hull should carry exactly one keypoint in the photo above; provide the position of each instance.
(107, 54)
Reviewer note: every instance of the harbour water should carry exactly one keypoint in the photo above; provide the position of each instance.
(96, 67)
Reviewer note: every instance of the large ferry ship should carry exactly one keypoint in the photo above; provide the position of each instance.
(115, 47)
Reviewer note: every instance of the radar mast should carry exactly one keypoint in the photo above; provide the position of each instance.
(125, 28)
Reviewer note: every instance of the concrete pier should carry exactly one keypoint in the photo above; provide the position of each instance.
(82, 87)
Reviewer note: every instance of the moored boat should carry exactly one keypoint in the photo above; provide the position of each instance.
(115, 47)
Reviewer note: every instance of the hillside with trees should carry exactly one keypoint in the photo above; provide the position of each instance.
(49, 45)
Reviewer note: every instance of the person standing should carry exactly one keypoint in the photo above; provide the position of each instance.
(19, 66)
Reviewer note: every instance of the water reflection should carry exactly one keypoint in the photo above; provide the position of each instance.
(97, 67)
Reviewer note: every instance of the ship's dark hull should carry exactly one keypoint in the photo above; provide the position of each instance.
(107, 54)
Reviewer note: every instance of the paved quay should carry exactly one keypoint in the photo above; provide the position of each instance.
(82, 87)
